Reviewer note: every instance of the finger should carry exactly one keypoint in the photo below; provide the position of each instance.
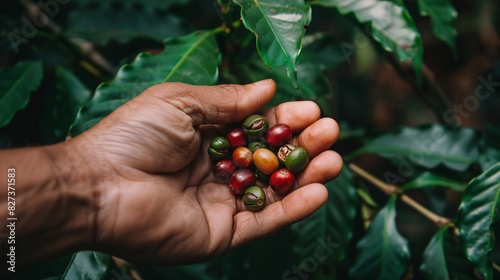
(323, 168)
(294, 207)
(318, 137)
(220, 104)
(297, 114)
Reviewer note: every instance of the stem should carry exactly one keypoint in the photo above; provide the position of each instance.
(386, 188)
(391, 189)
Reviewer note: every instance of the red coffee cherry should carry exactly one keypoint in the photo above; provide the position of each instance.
(236, 138)
(242, 156)
(278, 134)
(223, 170)
(282, 180)
(241, 180)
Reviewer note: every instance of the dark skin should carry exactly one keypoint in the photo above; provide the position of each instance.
(138, 185)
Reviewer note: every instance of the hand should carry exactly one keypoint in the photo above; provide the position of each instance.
(158, 200)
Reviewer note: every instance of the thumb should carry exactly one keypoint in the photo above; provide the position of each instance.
(219, 104)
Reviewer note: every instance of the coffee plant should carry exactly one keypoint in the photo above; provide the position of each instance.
(413, 84)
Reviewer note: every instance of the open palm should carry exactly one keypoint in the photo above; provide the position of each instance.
(159, 202)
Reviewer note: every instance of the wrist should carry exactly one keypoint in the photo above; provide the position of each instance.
(55, 202)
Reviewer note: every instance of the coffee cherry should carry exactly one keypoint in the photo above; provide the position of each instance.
(255, 145)
(223, 170)
(266, 161)
(236, 138)
(242, 156)
(261, 176)
(255, 127)
(241, 180)
(297, 160)
(278, 135)
(219, 148)
(284, 151)
(282, 180)
(254, 198)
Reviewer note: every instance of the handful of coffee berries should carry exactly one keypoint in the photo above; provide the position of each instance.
(254, 156)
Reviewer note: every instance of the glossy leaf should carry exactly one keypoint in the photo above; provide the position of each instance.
(62, 105)
(88, 265)
(320, 52)
(330, 228)
(427, 146)
(390, 24)
(443, 17)
(478, 211)
(192, 59)
(104, 23)
(279, 27)
(156, 4)
(16, 85)
(443, 258)
(489, 146)
(382, 253)
(429, 179)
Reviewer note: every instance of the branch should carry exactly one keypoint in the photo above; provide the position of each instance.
(391, 189)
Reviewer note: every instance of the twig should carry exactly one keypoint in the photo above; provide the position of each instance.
(391, 189)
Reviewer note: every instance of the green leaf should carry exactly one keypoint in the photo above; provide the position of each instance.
(63, 103)
(16, 85)
(331, 228)
(489, 146)
(443, 17)
(430, 179)
(320, 52)
(88, 265)
(155, 4)
(104, 23)
(427, 146)
(477, 212)
(443, 258)
(192, 59)
(390, 24)
(382, 253)
(279, 27)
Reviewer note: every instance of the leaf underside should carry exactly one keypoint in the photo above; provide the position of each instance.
(279, 27)
(390, 24)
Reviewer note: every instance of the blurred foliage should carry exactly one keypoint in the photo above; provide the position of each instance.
(413, 84)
